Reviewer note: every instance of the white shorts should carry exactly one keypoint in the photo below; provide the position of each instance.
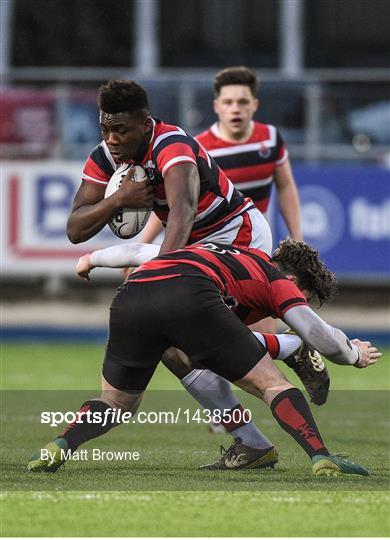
(249, 229)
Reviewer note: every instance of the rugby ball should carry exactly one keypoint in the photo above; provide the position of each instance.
(128, 222)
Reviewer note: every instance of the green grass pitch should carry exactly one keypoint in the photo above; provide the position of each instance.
(164, 494)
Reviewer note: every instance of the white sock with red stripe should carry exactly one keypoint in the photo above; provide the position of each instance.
(215, 394)
(279, 346)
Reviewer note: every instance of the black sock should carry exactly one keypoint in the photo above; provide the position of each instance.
(78, 433)
(292, 411)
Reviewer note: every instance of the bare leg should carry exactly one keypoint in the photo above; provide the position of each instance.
(265, 326)
(265, 380)
(78, 433)
(177, 362)
(119, 399)
(287, 404)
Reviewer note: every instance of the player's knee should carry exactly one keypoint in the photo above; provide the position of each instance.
(177, 362)
(122, 400)
(264, 378)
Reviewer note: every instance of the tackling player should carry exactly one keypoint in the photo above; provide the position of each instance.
(188, 311)
(259, 451)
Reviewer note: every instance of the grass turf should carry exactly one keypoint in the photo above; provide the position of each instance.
(152, 497)
(310, 513)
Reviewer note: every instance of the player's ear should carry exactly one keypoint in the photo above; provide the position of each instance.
(256, 104)
(216, 106)
(148, 124)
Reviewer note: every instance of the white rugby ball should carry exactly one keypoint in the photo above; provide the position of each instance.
(128, 222)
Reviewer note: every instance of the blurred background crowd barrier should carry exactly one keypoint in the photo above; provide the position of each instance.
(324, 75)
(344, 117)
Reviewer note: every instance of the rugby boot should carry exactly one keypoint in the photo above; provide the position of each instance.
(240, 456)
(310, 368)
(336, 465)
(50, 457)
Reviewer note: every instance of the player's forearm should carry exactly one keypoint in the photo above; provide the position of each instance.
(329, 341)
(291, 210)
(178, 229)
(88, 220)
(124, 255)
(288, 199)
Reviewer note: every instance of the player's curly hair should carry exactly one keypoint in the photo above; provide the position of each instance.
(303, 261)
(123, 96)
(236, 75)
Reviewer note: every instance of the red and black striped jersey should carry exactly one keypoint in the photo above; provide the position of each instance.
(246, 274)
(250, 165)
(218, 202)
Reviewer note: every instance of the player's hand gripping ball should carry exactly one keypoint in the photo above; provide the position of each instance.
(128, 222)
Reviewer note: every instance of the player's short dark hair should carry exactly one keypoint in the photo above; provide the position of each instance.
(303, 261)
(123, 96)
(236, 75)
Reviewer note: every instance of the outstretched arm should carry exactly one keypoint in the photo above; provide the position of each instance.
(118, 256)
(330, 341)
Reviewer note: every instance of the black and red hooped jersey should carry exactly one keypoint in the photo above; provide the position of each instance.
(218, 202)
(250, 165)
(246, 274)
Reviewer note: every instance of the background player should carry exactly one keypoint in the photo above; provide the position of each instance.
(188, 312)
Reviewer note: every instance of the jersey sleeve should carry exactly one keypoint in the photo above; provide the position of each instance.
(99, 167)
(173, 152)
(286, 295)
(281, 150)
(204, 138)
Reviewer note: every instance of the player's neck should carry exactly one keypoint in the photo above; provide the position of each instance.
(143, 150)
(240, 137)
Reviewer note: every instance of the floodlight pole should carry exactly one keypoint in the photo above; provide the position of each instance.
(145, 27)
(291, 37)
(6, 11)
